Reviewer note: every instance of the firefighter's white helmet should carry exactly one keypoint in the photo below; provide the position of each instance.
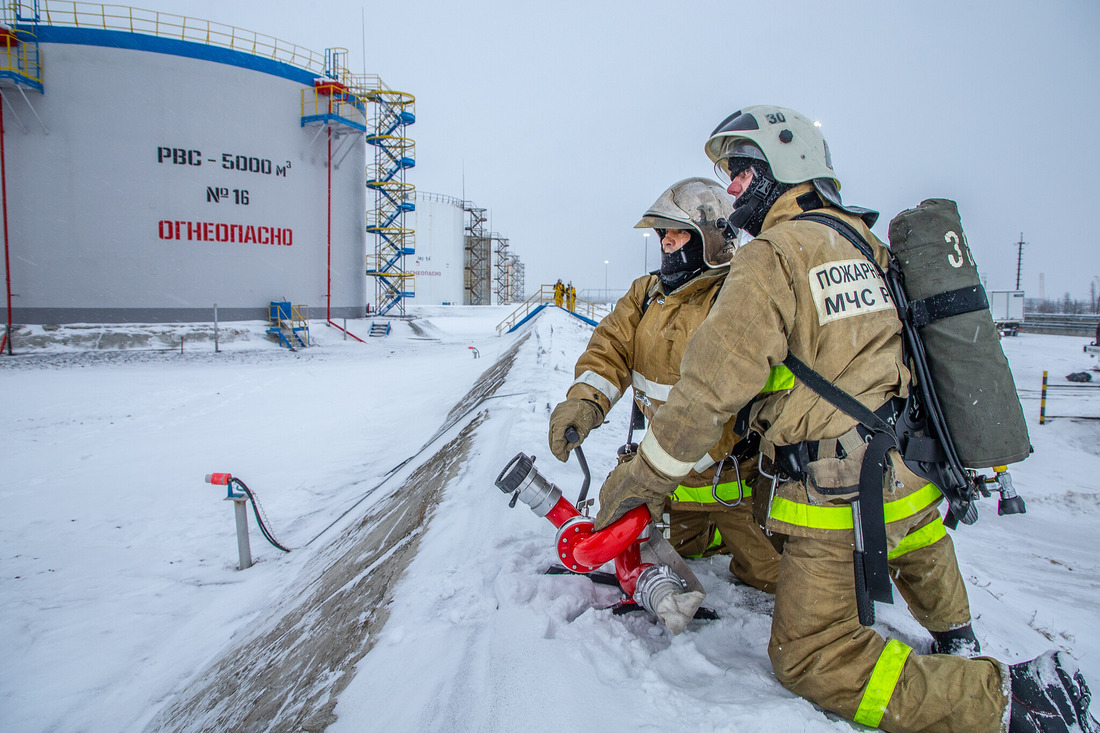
(791, 144)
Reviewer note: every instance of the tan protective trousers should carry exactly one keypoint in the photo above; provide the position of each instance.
(930, 582)
(753, 559)
(820, 651)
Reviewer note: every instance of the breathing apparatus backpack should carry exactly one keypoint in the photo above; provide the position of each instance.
(962, 413)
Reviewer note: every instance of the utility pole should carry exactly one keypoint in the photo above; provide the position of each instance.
(1019, 258)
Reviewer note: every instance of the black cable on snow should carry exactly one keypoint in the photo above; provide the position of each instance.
(389, 474)
(256, 511)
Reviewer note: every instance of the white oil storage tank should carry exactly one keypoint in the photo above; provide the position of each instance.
(437, 265)
(155, 166)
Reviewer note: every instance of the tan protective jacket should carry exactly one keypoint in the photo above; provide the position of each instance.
(629, 349)
(798, 287)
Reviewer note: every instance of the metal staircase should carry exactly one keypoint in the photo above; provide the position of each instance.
(20, 61)
(288, 324)
(393, 198)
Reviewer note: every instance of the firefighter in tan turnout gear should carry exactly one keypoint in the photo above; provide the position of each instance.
(640, 344)
(802, 288)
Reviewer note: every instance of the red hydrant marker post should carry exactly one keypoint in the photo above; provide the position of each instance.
(240, 512)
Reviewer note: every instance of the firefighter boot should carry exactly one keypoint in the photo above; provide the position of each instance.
(1049, 695)
(959, 642)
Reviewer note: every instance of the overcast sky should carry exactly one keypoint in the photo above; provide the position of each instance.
(567, 119)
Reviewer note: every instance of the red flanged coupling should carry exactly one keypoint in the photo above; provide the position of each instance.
(582, 550)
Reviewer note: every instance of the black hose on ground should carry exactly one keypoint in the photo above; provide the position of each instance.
(256, 511)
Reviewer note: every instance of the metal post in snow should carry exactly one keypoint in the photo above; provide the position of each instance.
(1043, 402)
(345, 329)
(244, 551)
(215, 328)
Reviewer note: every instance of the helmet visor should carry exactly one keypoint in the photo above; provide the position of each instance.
(734, 155)
(737, 122)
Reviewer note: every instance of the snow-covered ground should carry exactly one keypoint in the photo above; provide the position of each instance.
(120, 591)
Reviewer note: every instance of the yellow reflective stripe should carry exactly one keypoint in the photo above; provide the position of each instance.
(880, 688)
(815, 517)
(928, 534)
(840, 517)
(727, 491)
(910, 505)
(779, 379)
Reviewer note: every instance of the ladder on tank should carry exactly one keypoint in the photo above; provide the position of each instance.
(20, 63)
(393, 198)
(332, 107)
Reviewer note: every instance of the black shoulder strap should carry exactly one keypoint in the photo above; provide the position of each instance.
(845, 230)
(835, 396)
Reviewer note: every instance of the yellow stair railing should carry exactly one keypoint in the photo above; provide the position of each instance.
(545, 296)
(19, 57)
(288, 324)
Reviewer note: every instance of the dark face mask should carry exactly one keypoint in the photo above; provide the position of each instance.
(753, 205)
(682, 265)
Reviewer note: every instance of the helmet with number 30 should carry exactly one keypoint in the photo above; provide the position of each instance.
(792, 144)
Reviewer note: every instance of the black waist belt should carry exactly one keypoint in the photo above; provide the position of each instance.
(793, 459)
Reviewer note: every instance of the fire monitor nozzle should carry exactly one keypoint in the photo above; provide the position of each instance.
(529, 486)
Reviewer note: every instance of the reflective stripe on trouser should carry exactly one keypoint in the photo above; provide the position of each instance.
(840, 517)
(753, 559)
(924, 569)
(727, 491)
(820, 651)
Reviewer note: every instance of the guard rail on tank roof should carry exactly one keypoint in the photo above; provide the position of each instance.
(441, 197)
(168, 25)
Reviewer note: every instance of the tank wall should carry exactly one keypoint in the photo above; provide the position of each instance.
(167, 184)
(437, 264)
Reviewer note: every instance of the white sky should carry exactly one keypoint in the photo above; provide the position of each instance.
(567, 119)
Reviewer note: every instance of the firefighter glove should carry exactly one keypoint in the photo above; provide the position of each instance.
(582, 415)
(632, 484)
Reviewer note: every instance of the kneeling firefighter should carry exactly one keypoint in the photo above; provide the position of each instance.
(804, 289)
(640, 344)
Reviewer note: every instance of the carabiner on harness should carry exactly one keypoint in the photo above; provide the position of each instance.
(776, 480)
(718, 477)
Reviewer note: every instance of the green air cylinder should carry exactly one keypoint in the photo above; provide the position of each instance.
(970, 373)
